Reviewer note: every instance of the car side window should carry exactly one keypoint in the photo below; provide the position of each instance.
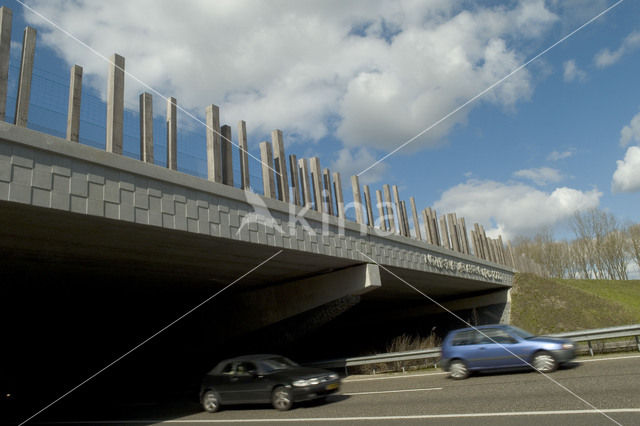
(245, 368)
(464, 338)
(228, 369)
(496, 335)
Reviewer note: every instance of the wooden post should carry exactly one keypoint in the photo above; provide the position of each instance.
(304, 179)
(73, 110)
(326, 192)
(214, 147)
(266, 157)
(337, 186)
(24, 80)
(295, 182)
(115, 104)
(226, 151)
(280, 162)
(316, 180)
(357, 199)
(416, 221)
(367, 205)
(5, 46)
(389, 208)
(172, 134)
(381, 212)
(244, 155)
(146, 127)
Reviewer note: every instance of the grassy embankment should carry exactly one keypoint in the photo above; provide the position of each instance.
(543, 305)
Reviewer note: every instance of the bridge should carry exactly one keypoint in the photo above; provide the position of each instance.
(100, 250)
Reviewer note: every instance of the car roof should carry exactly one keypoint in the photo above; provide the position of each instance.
(481, 327)
(253, 357)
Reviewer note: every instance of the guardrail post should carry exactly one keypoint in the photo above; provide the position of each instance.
(637, 343)
(590, 348)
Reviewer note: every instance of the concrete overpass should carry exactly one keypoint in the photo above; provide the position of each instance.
(99, 251)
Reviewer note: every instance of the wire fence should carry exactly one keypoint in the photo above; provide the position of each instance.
(48, 114)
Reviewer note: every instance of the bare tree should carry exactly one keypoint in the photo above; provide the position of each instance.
(633, 246)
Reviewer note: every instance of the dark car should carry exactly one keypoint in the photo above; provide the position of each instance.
(262, 379)
(501, 346)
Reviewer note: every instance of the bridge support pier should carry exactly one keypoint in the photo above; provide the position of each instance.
(252, 310)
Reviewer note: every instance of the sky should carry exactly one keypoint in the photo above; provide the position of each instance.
(515, 148)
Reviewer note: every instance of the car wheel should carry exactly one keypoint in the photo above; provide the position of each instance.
(544, 362)
(210, 401)
(282, 398)
(458, 370)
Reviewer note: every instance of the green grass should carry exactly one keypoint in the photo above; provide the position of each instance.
(626, 293)
(543, 305)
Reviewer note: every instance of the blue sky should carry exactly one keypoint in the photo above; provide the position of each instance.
(349, 82)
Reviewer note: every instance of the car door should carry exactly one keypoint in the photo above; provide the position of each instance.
(496, 349)
(245, 384)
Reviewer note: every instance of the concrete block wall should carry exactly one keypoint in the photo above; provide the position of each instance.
(46, 171)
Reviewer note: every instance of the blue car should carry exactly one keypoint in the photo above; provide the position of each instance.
(500, 346)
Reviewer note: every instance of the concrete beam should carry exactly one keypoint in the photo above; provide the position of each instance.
(303, 167)
(214, 147)
(73, 110)
(115, 104)
(280, 301)
(381, 213)
(316, 182)
(367, 206)
(244, 156)
(146, 128)
(389, 209)
(357, 199)
(280, 161)
(464, 237)
(172, 134)
(266, 158)
(5, 53)
(416, 221)
(295, 181)
(24, 81)
(337, 189)
(226, 148)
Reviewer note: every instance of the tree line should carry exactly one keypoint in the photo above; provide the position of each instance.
(602, 248)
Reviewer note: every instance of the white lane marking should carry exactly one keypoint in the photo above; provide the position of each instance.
(608, 359)
(407, 376)
(370, 418)
(391, 391)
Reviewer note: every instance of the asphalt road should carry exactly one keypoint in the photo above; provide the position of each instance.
(589, 392)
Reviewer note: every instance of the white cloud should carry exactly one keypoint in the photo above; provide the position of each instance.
(631, 132)
(606, 57)
(626, 178)
(572, 72)
(514, 209)
(375, 72)
(540, 176)
(557, 155)
(351, 162)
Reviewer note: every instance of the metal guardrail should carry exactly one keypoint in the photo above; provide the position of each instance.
(577, 336)
(602, 333)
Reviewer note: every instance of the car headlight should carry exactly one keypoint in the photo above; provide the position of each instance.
(567, 346)
(333, 376)
(307, 382)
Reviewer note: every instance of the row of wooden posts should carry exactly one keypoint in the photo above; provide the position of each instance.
(297, 181)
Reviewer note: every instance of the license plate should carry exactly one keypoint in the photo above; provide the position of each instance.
(332, 386)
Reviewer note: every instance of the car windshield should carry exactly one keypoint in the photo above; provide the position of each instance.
(520, 332)
(277, 363)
